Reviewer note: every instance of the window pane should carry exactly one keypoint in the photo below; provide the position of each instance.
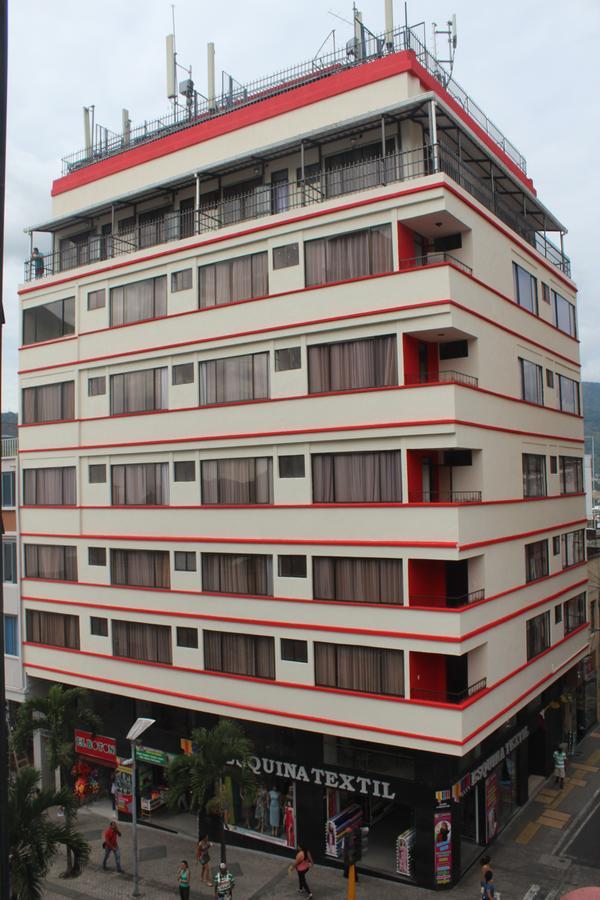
(9, 561)
(288, 358)
(184, 561)
(53, 629)
(187, 637)
(564, 315)
(525, 289)
(292, 566)
(8, 489)
(532, 387)
(352, 365)
(571, 475)
(97, 556)
(538, 634)
(294, 651)
(347, 256)
(99, 626)
(181, 281)
(49, 321)
(357, 477)
(138, 301)
(138, 391)
(141, 568)
(184, 470)
(183, 374)
(96, 386)
(97, 474)
(358, 580)
(365, 669)
(568, 394)
(248, 480)
(96, 299)
(237, 573)
(239, 654)
(51, 562)
(291, 466)
(140, 484)
(11, 641)
(49, 403)
(139, 640)
(285, 256)
(49, 487)
(534, 475)
(241, 278)
(536, 560)
(234, 379)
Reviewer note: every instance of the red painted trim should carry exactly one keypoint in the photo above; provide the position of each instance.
(311, 601)
(309, 542)
(377, 426)
(60, 340)
(311, 626)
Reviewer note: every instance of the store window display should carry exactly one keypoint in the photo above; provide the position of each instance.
(268, 813)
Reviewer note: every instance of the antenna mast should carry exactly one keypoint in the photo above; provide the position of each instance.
(452, 35)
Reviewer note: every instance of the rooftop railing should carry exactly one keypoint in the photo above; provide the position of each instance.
(270, 199)
(236, 95)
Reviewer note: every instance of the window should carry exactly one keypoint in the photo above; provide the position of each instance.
(549, 378)
(52, 562)
(49, 321)
(575, 613)
(571, 474)
(49, 403)
(536, 560)
(288, 358)
(538, 635)
(139, 301)
(573, 548)
(97, 386)
(139, 640)
(525, 289)
(98, 626)
(237, 573)
(553, 465)
(286, 256)
(140, 484)
(8, 489)
(534, 475)
(96, 299)
(352, 365)
(11, 642)
(532, 387)
(185, 470)
(236, 279)
(545, 292)
(294, 651)
(454, 350)
(9, 561)
(556, 544)
(97, 474)
(96, 556)
(183, 374)
(357, 580)
(291, 565)
(54, 629)
(187, 637)
(239, 654)
(291, 466)
(49, 487)
(568, 392)
(140, 568)
(237, 481)
(138, 391)
(184, 561)
(181, 281)
(565, 316)
(357, 477)
(558, 614)
(366, 669)
(234, 379)
(346, 256)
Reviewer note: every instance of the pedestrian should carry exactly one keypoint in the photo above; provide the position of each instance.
(37, 263)
(302, 864)
(203, 858)
(183, 880)
(488, 889)
(224, 883)
(113, 792)
(560, 761)
(485, 866)
(110, 844)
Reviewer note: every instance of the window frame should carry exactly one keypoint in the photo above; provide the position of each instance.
(66, 328)
(293, 650)
(518, 273)
(539, 378)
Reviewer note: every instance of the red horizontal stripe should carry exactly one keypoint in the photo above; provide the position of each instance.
(523, 534)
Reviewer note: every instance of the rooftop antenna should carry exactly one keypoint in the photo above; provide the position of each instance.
(88, 128)
(185, 87)
(452, 35)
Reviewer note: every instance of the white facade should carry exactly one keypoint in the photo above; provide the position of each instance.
(13, 624)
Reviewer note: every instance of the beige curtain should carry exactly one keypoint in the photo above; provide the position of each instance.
(357, 477)
(351, 255)
(142, 568)
(139, 391)
(50, 561)
(234, 379)
(141, 300)
(237, 573)
(235, 279)
(140, 484)
(139, 640)
(348, 365)
(49, 487)
(49, 403)
(233, 481)
(239, 654)
(357, 580)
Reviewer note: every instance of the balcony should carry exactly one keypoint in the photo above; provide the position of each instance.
(444, 584)
(448, 376)
(454, 697)
(442, 476)
(446, 600)
(442, 679)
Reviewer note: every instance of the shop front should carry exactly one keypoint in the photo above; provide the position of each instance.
(94, 766)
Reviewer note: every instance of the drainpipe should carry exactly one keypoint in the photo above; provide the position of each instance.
(433, 136)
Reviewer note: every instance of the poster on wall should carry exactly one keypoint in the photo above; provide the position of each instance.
(124, 796)
(491, 805)
(442, 830)
(338, 826)
(405, 844)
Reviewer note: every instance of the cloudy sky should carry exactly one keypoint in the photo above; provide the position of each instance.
(531, 64)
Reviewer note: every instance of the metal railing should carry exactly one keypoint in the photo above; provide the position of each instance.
(448, 376)
(10, 447)
(444, 497)
(431, 259)
(455, 697)
(236, 95)
(452, 601)
(268, 199)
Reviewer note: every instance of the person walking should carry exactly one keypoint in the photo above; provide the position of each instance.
(485, 866)
(110, 843)
(488, 889)
(560, 762)
(224, 883)
(302, 864)
(203, 858)
(183, 880)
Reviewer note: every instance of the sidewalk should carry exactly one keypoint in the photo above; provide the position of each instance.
(532, 858)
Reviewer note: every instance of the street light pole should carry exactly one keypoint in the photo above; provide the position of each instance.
(135, 732)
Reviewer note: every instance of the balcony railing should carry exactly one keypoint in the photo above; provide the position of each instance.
(444, 497)
(267, 200)
(449, 601)
(9, 447)
(454, 697)
(448, 376)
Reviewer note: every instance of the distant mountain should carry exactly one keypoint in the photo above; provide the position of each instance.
(591, 415)
(9, 423)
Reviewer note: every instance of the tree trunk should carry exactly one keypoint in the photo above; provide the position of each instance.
(70, 871)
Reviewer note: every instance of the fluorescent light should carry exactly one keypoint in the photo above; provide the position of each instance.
(139, 727)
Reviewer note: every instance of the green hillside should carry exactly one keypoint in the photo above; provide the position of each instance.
(591, 414)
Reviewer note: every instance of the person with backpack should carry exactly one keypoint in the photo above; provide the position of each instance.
(488, 889)
(224, 883)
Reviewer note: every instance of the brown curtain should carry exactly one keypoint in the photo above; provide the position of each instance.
(50, 561)
(347, 365)
(239, 654)
(571, 474)
(237, 573)
(357, 477)
(233, 279)
(49, 403)
(54, 629)
(142, 568)
(357, 580)
(351, 255)
(366, 669)
(141, 300)
(139, 391)
(140, 484)
(534, 475)
(234, 379)
(49, 487)
(536, 559)
(233, 481)
(139, 640)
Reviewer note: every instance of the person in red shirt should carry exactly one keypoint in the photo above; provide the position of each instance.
(110, 844)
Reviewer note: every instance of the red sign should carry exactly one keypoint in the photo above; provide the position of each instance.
(96, 746)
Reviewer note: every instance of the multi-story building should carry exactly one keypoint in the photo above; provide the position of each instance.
(301, 445)
(13, 659)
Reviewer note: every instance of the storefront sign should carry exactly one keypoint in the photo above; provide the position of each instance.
(96, 746)
(442, 830)
(154, 757)
(471, 778)
(358, 784)
(123, 797)
(491, 806)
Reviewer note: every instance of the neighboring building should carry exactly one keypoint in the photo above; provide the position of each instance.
(302, 445)
(13, 659)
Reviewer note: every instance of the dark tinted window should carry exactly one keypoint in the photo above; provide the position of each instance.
(288, 358)
(292, 566)
(294, 651)
(185, 470)
(291, 467)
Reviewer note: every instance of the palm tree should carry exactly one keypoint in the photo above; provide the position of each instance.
(195, 776)
(58, 714)
(33, 838)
